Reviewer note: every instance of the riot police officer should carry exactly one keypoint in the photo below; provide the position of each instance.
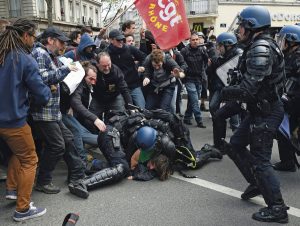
(289, 40)
(262, 69)
(229, 54)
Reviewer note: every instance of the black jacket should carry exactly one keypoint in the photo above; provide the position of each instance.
(80, 103)
(124, 58)
(109, 86)
(196, 59)
(168, 65)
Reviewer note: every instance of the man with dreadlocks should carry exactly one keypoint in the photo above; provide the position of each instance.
(19, 76)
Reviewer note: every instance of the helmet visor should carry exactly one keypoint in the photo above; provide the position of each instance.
(235, 24)
(280, 40)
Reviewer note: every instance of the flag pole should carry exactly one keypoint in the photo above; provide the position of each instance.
(117, 17)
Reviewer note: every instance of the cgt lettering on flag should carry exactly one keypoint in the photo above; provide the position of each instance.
(166, 19)
(167, 13)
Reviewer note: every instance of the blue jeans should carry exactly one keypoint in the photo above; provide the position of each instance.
(194, 91)
(173, 101)
(138, 97)
(70, 123)
(87, 136)
(160, 100)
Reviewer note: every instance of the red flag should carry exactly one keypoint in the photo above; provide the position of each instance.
(166, 19)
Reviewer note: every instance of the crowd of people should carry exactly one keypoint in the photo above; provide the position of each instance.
(129, 105)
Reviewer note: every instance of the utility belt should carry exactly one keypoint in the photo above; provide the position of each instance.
(164, 84)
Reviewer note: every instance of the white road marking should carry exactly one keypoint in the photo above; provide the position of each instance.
(231, 192)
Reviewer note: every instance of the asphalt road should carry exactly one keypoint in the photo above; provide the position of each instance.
(212, 199)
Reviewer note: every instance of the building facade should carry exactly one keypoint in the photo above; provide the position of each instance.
(220, 14)
(67, 14)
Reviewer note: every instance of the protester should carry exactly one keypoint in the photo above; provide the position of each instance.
(196, 58)
(48, 119)
(124, 56)
(20, 75)
(75, 38)
(110, 91)
(160, 75)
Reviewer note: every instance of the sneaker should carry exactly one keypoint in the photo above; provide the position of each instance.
(47, 188)
(250, 192)
(201, 125)
(11, 195)
(33, 212)
(276, 213)
(283, 166)
(187, 122)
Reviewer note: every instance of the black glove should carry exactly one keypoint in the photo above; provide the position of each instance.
(235, 93)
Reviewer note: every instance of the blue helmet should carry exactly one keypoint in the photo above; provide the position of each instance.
(226, 39)
(146, 138)
(255, 17)
(291, 33)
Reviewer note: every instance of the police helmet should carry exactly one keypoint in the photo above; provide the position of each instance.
(291, 33)
(255, 17)
(146, 138)
(226, 39)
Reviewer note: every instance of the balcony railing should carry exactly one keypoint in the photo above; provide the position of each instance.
(196, 7)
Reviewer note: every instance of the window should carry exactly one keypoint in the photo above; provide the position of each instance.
(91, 12)
(91, 16)
(41, 8)
(71, 11)
(62, 11)
(84, 17)
(15, 8)
(84, 10)
(77, 12)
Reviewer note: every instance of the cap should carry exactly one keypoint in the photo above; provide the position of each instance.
(115, 33)
(53, 32)
(200, 34)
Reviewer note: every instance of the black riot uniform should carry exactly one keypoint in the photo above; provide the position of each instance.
(262, 69)
(118, 145)
(292, 106)
(231, 109)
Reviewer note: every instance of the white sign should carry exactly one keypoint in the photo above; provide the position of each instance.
(286, 17)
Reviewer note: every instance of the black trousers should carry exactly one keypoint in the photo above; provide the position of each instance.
(58, 143)
(219, 120)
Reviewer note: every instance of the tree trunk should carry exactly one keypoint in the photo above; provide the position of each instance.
(49, 12)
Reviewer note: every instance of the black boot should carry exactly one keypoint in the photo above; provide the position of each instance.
(214, 152)
(276, 213)
(285, 166)
(250, 192)
(103, 177)
(79, 189)
(201, 125)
